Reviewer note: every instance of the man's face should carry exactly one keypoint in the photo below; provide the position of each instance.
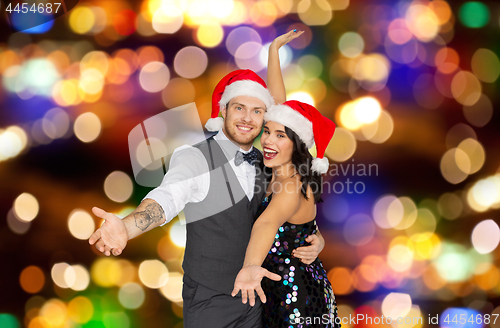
(243, 120)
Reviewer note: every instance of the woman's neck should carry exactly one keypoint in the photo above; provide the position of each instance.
(283, 171)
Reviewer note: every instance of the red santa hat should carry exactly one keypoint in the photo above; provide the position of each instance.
(243, 82)
(308, 123)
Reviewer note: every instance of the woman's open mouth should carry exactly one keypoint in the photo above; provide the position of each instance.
(269, 153)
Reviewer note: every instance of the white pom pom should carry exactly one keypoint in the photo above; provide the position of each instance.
(214, 124)
(320, 165)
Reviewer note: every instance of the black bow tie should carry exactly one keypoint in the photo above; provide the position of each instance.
(250, 157)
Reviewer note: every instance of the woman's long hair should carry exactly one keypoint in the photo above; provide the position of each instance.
(302, 160)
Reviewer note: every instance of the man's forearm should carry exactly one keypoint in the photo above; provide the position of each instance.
(148, 215)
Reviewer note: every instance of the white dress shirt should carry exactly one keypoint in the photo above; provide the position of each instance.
(188, 177)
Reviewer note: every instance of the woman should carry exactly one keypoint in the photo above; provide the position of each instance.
(302, 296)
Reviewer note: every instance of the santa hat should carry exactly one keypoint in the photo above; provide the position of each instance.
(243, 82)
(308, 123)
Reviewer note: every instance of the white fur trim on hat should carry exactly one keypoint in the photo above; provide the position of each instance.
(292, 119)
(214, 124)
(246, 88)
(320, 165)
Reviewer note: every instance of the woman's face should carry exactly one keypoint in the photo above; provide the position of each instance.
(277, 147)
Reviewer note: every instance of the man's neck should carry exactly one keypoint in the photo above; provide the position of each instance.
(243, 147)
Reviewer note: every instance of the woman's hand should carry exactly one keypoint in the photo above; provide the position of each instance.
(248, 281)
(307, 254)
(281, 40)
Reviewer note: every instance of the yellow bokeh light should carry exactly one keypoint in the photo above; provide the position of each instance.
(396, 305)
(475, 152)
(263, 13)
(400, 258)
(153, 274)
(385, 127)
(81, 19)
(26, 207)
(466, 88)
(87, 127)
(372, 68)
(177, 231)
(472, 201)
(302, 96)
(172, 290)
(367, 109)
(54, 312)
(315, 12)
(91, 81)
(80, 309)
(486, 192)
(81, 224)
(21, 134)
(81, 277)
(422, 22)
(348, 117)
(238, 16)
(106, 272)
(118, 186)
(454, 164)
(442, 11)
(410, 212)
(342, 146)
(423, 227)
(10, 144)
(426, 248)
(168, 19)
(67, 92)
(210, 35)
(387, 211)
(58, 274)
(98, 60)
(220, 9)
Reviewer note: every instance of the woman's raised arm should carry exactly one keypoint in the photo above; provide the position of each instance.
(275, 82)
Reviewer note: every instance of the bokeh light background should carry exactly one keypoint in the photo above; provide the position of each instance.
(412, 200)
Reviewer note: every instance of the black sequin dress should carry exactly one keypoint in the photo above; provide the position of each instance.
(304, 296)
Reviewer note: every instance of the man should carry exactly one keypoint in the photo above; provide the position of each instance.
(219, 184)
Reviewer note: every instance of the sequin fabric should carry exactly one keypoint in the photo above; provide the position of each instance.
(304, 296)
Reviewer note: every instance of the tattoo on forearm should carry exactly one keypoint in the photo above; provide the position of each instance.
(153, 214)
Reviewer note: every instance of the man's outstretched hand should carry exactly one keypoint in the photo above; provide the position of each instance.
(112, 236)
(248, 281)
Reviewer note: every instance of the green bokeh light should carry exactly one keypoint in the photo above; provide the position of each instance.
(474, 14)
(8, 321)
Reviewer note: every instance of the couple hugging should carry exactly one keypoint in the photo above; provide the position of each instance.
(249, 215)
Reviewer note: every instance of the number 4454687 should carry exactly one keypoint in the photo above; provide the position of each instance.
(478, 319)
(40, 8)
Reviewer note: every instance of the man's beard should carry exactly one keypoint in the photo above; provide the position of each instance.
(238, 138)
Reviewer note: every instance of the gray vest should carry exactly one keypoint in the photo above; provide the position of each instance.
(219, 227)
